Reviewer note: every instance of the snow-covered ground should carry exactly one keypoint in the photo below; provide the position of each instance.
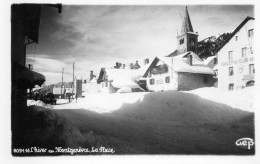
(241, 99)
(40, 103)
(205, 120)
(103, 102)
(169, 122)
(107, 103)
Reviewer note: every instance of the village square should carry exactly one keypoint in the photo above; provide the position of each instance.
(196, 97)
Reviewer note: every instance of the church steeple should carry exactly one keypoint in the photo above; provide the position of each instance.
(187, 40)
(186, 24)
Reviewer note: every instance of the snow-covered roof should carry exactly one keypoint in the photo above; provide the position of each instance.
(208, 60)
(26, 77)
(215, 67)
(94, 80)
(123, 77)
(180, 64)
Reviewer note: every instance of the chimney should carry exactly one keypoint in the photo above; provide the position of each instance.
(117, 65)
(146, 61)
(189, 59)
(131, 65)
(91, 75)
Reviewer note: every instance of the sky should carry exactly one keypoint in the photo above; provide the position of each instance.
(98, 36)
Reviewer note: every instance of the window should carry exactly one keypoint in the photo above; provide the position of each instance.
(251, 68)
(251, 33)
(192, 41)
(159, 69)
(151, 81)
(231, 86)
(181, 41)
(106, 84)
(230, 55)
(231, 72)
(236, 38)
(167, 79)
(215, 60)
(244, 52)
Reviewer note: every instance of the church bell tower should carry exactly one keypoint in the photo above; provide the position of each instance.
(187, 40)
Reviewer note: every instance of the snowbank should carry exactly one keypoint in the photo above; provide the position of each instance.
(169, 122)
(241, 99)
(103, 102)
(201, 105)
(36, 103)
(40, 103)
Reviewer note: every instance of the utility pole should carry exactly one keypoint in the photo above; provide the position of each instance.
(30, 68)
(61, 82)
(73, 80)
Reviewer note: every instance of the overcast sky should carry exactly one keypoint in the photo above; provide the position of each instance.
(98, 36)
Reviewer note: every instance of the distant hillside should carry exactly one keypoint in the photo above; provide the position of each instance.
(208, 46)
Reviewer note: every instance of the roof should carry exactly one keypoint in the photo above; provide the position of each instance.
(186, 24)
(136, 66)
(210, 61)
(180, 64)
(174, 53)
(234, 33)
(26, 78)
(121, 77)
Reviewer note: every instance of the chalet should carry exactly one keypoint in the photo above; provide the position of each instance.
(235, 67)
(183, 72)
(111, 80)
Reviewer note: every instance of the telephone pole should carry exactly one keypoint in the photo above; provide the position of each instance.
(73, 79)
(61, 82)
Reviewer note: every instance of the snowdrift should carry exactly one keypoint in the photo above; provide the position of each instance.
(241, 99)
(180, 107)
(201, 105)
(46, 128)
(169, 122)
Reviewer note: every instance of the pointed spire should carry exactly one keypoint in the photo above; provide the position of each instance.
(186, 24)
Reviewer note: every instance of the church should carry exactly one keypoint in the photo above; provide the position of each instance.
(182, 69)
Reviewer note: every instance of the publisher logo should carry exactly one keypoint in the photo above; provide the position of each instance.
(246, 143)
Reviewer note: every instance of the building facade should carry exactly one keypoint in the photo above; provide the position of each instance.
(236, 68)
(183, 72)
